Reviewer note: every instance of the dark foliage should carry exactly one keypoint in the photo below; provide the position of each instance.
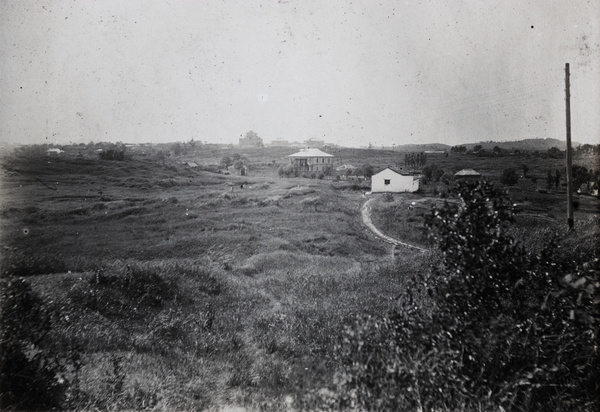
(31, 376)
(499, 327)
(509, 176)
(112, 154)
(129, 292)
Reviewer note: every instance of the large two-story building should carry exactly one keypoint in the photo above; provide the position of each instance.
(312, 160)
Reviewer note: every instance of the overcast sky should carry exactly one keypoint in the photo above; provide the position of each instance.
(348, 72)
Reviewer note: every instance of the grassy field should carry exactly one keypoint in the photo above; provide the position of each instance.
(185, 289)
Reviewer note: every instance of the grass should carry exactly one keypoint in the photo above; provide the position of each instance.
(181, 290)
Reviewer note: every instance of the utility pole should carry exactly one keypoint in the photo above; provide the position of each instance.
(569, 160)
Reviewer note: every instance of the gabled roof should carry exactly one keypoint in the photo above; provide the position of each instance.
(467, 172)
(345, 167)
(311, 152)
(395, 171)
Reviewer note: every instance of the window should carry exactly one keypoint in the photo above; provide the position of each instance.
(386, 181)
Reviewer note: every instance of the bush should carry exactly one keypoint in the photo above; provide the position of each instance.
(128, 292)
(499, 328)
(509, 177)
(31, 376)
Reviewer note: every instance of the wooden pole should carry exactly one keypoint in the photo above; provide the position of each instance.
(569, 160)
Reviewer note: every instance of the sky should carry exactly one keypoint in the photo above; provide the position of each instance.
(351, 73)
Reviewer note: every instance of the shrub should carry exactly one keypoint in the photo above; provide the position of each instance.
(437, 174)
(499, 330)
(509, 177)
(388, 197)
(23, 265)
(123, 293)
(31, 376)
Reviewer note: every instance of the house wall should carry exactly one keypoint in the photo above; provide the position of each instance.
(397, 183)
(313, 164)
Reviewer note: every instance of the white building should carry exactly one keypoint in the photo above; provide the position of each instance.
(467, 174)
(312, 160)
(389, 180)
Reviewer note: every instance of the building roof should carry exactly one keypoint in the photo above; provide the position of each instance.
(395, 171)
(345, 167)
(467, 172)
(310, 152)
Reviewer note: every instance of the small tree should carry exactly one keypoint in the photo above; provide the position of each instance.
(496, 333)
(31, 377)
(367, 170)
(555, 153)
(509, 177)
(427, 172)
(226, 161)
(580, 176)
(238, 165)
(437, 174)
(525, 170)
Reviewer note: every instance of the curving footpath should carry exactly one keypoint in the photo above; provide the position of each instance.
(366, 218)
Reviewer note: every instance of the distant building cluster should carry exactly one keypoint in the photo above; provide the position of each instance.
(314, 143)
(280, 143)
(251, 140)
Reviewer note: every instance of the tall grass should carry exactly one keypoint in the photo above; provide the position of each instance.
(187, 296)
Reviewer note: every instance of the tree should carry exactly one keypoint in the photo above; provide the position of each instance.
(367, 170)
(31, 376)
(497, 150)
(555, 153)
(177, 149)
(496, 333)
(580, 176)
(437, 174)
(428, 172)
(477, 148)
(525, 170)
(501, 302)
(226, 161)
(556, 178)
(238, 165)
(509, 176)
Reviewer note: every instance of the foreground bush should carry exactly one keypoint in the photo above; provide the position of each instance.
(503, 328)
(31, 376)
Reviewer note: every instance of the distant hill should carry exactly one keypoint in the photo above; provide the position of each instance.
(526, 144)
(420, 147)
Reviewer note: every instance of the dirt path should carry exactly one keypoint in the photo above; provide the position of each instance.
(366, 218)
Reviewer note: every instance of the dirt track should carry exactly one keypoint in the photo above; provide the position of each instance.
(366, 218)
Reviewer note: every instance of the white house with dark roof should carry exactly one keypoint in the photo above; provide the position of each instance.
(312, 160)
(390, 180)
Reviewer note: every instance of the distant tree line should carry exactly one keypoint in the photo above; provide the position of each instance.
(415, 159)
(553, 152)
(113, 152)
